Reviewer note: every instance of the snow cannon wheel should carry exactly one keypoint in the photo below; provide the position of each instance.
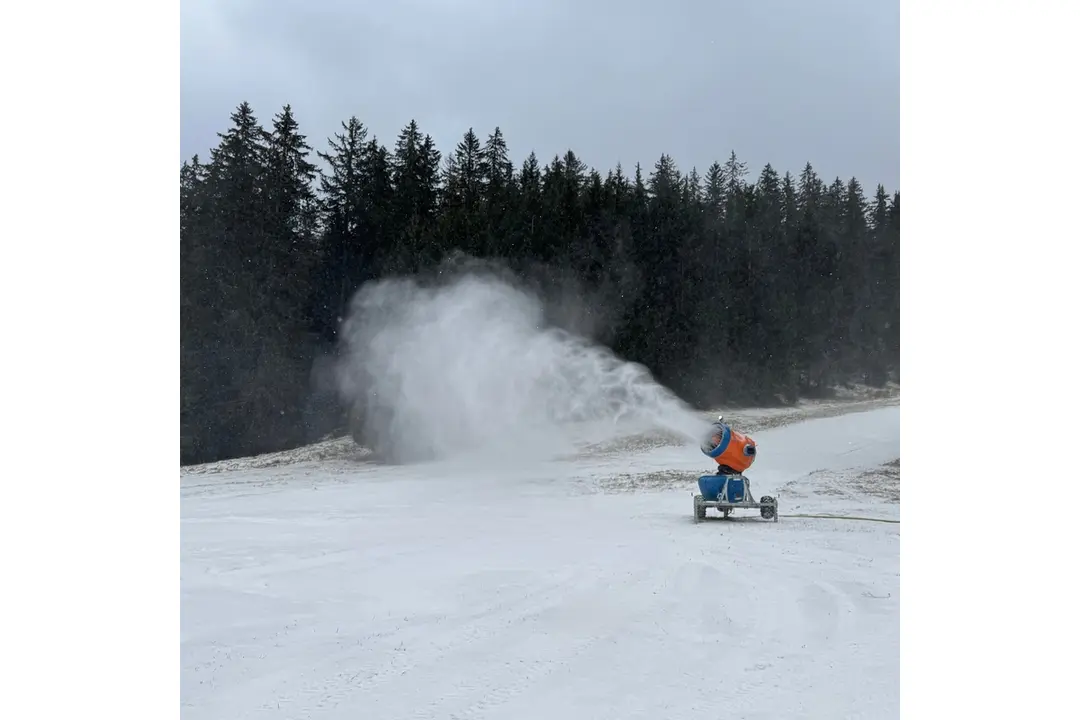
(699, 508)
(768, 508)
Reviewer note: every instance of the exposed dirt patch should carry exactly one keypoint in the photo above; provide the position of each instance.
(343, 449)
(882, 483)
(638, 482)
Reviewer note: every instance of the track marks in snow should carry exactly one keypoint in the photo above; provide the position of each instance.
(510, 598)
(414, 655)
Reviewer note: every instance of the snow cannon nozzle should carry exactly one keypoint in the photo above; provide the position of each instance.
(714, 437)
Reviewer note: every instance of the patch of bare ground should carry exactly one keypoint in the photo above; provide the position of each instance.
(882, 482)
(645, 482)
(337, 449)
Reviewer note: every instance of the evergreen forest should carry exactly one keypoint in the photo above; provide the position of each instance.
(729, 288)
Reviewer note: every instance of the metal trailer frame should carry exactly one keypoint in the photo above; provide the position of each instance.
(767, 506)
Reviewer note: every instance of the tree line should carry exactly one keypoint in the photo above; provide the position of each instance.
(729, 289)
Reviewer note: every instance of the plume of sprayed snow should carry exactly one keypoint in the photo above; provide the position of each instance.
(467, 365)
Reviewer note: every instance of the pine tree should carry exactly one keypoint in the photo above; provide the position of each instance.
(734, 175)
(497, 196)
(528, 211)
(350, 232)
(814, 254)
(551, 241)
(291, 221)
(715, 184)
(415, 172)
(464, 189)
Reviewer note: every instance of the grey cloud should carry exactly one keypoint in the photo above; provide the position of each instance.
(777, 81)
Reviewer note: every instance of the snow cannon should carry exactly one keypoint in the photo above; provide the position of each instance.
(728, 488)
(733, 451)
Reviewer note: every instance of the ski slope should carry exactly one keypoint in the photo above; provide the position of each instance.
(577, 587)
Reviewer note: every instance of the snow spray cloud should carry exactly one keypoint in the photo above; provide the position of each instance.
(467, 364)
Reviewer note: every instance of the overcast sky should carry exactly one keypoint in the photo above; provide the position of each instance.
(780, 81)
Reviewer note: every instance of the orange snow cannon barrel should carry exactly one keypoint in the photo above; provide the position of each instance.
(730, 448)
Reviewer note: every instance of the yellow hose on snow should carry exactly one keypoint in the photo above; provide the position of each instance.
(841, 517)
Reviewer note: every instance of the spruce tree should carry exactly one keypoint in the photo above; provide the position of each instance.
(415, 168)
(349, 229)
(497, 197)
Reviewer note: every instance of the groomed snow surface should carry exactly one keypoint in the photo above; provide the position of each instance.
(328, 586)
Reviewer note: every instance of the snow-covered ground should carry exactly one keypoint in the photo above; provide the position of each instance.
(322, 585)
